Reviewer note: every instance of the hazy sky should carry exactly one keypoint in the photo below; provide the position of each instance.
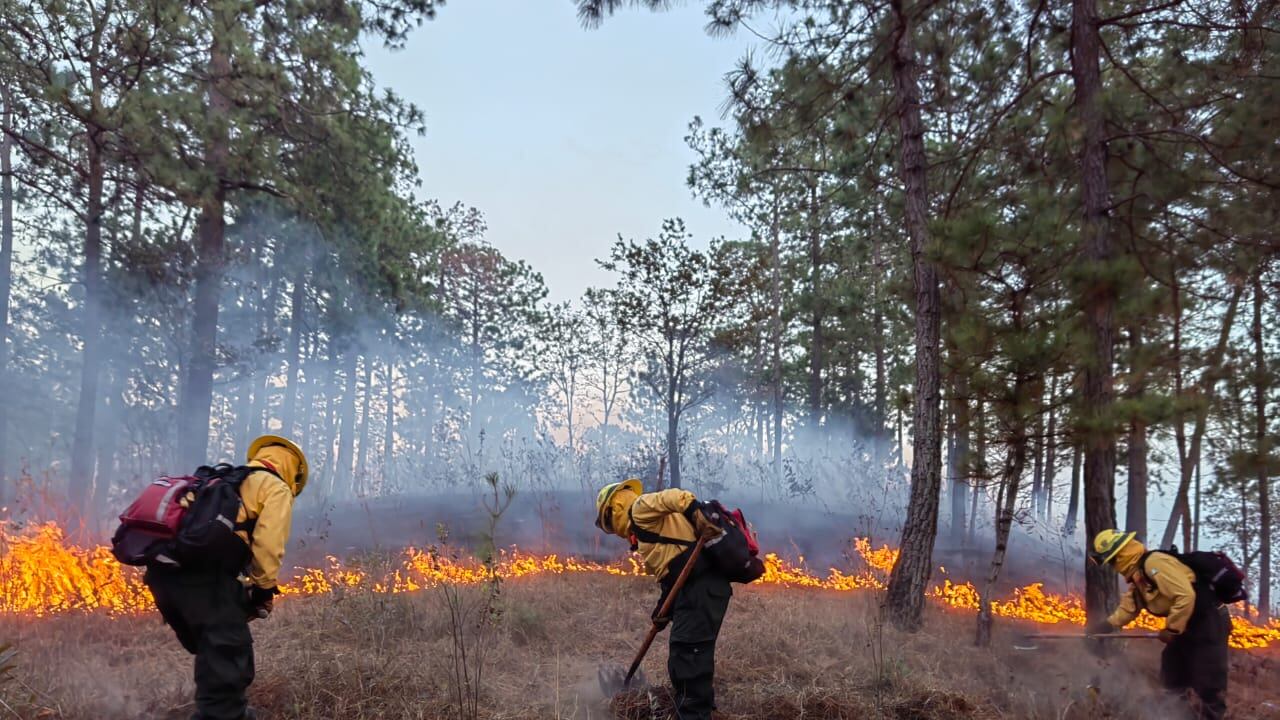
(563, 137)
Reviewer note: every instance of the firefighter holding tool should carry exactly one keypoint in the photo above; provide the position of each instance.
(208, 592)
(664, 526)
(1197, 624)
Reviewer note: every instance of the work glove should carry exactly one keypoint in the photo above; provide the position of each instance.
(1167, 636)
(261, 601)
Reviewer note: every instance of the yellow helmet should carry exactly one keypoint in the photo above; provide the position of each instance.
(301, 480)
(606, 494)
(1107, 544)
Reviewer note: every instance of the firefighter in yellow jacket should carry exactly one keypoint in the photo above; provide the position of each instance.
(663, 526)
(208, 610)
(1197, 626)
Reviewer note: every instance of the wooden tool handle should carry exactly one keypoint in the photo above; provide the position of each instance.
(665, 610)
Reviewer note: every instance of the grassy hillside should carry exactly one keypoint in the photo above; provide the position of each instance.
(785, 653)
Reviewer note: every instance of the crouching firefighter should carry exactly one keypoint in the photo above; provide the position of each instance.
(208, 582)
(1197, 624)
(663, 526)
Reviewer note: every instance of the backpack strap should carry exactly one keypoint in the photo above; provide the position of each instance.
(651, 537)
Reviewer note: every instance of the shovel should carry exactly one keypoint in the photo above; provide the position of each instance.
(612, 679)
(1031, 642)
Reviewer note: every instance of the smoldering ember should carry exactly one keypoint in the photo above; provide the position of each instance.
(586, 359)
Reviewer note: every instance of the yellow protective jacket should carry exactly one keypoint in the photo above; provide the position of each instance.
(659, 512)
(268, 500)
(1170, 593)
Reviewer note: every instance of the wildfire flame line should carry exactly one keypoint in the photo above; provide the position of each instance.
(42, 574)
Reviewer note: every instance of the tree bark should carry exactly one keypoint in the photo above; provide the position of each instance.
(960, 463)
(193, 420)
(775, 343)
(362, 459)
(1051, 452)
(1008, 496)
(1037, 464)
(6, 281)
(977, 470)
(344, 464)
(1263, 450)
(817, 349)
(82, 455)
(389, 432)
(297, 305)
(877, 342)
(904, 597)
(673, 447)
(1136, 503)
(1101, 592)
(1073, 503)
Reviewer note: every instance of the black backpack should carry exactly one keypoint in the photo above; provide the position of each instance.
(1213, 570)
(734, 553)
(205, 537)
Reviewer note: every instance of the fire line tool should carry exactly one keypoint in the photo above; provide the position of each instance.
(1029, 642)
(612, 679)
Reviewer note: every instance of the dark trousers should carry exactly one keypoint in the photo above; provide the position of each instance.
(695, 624)
(1197, 659)
(209, 614)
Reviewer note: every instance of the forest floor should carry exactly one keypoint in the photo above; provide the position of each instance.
(784, 653)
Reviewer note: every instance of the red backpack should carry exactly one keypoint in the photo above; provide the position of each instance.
(187, 521)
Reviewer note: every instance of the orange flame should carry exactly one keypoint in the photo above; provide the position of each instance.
(42, 573)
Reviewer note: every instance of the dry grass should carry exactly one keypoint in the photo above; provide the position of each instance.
(783, 654)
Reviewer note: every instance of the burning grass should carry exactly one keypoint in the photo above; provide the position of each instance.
(371, 639)
(41, 573)
(357, 654)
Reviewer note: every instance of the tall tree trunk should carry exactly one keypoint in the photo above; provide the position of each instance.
(775, 342)
(960, 464)
(1073, 502)
(308, 395)
(1007, 504)
(1136, 504)
(193, 420)
(6, 281)
(673, 447)
(1037, 465)
(1051, 452)
(1209, 378)
(389, 432)
(259, 422)
(344, 466)
(817, 349)
(977, 471)
(1263, 450)
(1194, 542)
(877, 342)
(1101, 592)
(109, 434)
(297, 303)
(362, 460)
(82, 455)
(904, 597)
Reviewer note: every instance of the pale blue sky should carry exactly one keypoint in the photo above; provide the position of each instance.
(563, 137)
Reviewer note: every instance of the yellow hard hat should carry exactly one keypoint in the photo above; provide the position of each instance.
(266, 440)
(1107, 544)
(606, 493)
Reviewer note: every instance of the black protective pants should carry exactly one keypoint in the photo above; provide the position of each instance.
(695, 624)
(1197, 659)
(209, 614)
